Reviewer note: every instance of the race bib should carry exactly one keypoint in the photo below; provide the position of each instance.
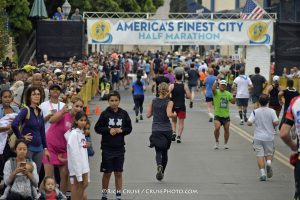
(223, 103)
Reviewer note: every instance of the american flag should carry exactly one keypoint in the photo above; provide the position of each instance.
(252, 11)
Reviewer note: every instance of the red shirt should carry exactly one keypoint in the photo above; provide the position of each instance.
(51, 196)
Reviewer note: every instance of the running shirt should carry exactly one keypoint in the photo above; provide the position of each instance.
(221, 103)
(178, 97)
(209, 83)
(243, 82)
(193, 77)
(288, 95)
(293, 116)
(147, 68)
(161, 121)
(263, 119)
(274, 101)
(138, 89)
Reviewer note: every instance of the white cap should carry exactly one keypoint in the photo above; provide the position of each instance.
(223, 82)
(276, 78)
(167, 61)
(57, 71)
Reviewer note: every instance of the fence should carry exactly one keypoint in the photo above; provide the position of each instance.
(89, 89)
(282, 82)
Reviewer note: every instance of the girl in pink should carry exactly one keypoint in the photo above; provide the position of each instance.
(61, 122)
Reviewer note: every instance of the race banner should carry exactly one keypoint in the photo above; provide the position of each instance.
(179, 32)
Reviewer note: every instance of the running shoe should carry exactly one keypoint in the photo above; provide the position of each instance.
(159, 174)
(263, 178)
(226, 146)
(173, 137)
(141, 117)
(216, 145)
(242, 122)
(136, 120)
(104, 198)
(210, 120)
(178, 139)
(269, 171)
(245, 119)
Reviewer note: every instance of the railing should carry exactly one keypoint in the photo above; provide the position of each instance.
(89, 89)
(131, 15)
(283, 80)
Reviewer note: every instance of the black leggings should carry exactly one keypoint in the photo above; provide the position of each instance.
(161, 157)
(138, 104)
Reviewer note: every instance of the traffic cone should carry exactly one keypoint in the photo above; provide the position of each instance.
(98, 110)
(87, 110)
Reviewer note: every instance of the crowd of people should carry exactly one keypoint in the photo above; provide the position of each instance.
(44, 129)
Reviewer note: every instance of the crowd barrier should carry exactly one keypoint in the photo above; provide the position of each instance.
(89, 89)
(283, 80)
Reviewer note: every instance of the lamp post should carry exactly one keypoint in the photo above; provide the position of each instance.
(66, 8)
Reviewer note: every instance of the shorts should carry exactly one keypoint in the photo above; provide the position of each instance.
(112, 162)
(180, 113)
(222, 120)
(276, 108)
(115, 79)
(209, 99)
(192, 88)
(263, 148)
(254, 98)
(242, 102)
(202, 84)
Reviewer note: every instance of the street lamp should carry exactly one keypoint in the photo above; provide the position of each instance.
(66, 8)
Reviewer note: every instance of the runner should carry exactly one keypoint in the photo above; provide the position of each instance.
(209, 81)
(292, 119)
(242, 84)
(138, 88)
(161, 110)
(179, 92)
(259, 84)
(193, 77)
(264, 119)
(273, 91)
(222, 117)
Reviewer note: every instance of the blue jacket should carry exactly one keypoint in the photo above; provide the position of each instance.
(35, 125)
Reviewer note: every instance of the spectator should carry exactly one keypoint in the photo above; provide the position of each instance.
(18, 176)
(33, 128)
(76, 16)
(59, 15)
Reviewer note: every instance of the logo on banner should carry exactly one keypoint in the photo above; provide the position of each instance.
(257, 33)
(100, 32)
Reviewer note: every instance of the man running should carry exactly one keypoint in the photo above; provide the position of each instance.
(259, 84)
(243, 84)
(193, 77)
(292, 118)
(208, 82)
(222, 117)
(178, 93)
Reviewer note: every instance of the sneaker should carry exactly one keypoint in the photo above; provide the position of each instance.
(216, 145)
(104, 198)
(245, 119)
(159, 174)
(210, 120)
(242, 122)
(141, 117)
(191, 104)
(178, 140)
(263, 178)
(269, 171)
(226, 146)
(173, 137)
(68, 195)
(136, 120)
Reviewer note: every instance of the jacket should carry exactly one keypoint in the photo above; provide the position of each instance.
(59, 195)
(110, 119)
(35, 125)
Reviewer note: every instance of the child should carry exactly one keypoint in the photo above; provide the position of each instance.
(114, 123)
(29, 168)
(51, 192)
(264, 119)
(88, 138)
(78, 163)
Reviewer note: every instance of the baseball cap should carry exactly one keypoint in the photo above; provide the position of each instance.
(276, 78)
(223, 82)
(57, 71)
(55, 86)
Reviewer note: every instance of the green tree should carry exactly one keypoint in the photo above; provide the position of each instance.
(106, 6)
(130, 6)
(4, 37)
(149, 7)
(18, 12)
(158, 3)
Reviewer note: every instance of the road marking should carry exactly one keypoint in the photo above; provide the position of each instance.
(279, 156)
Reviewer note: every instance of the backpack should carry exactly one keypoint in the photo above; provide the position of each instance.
(12, 136)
